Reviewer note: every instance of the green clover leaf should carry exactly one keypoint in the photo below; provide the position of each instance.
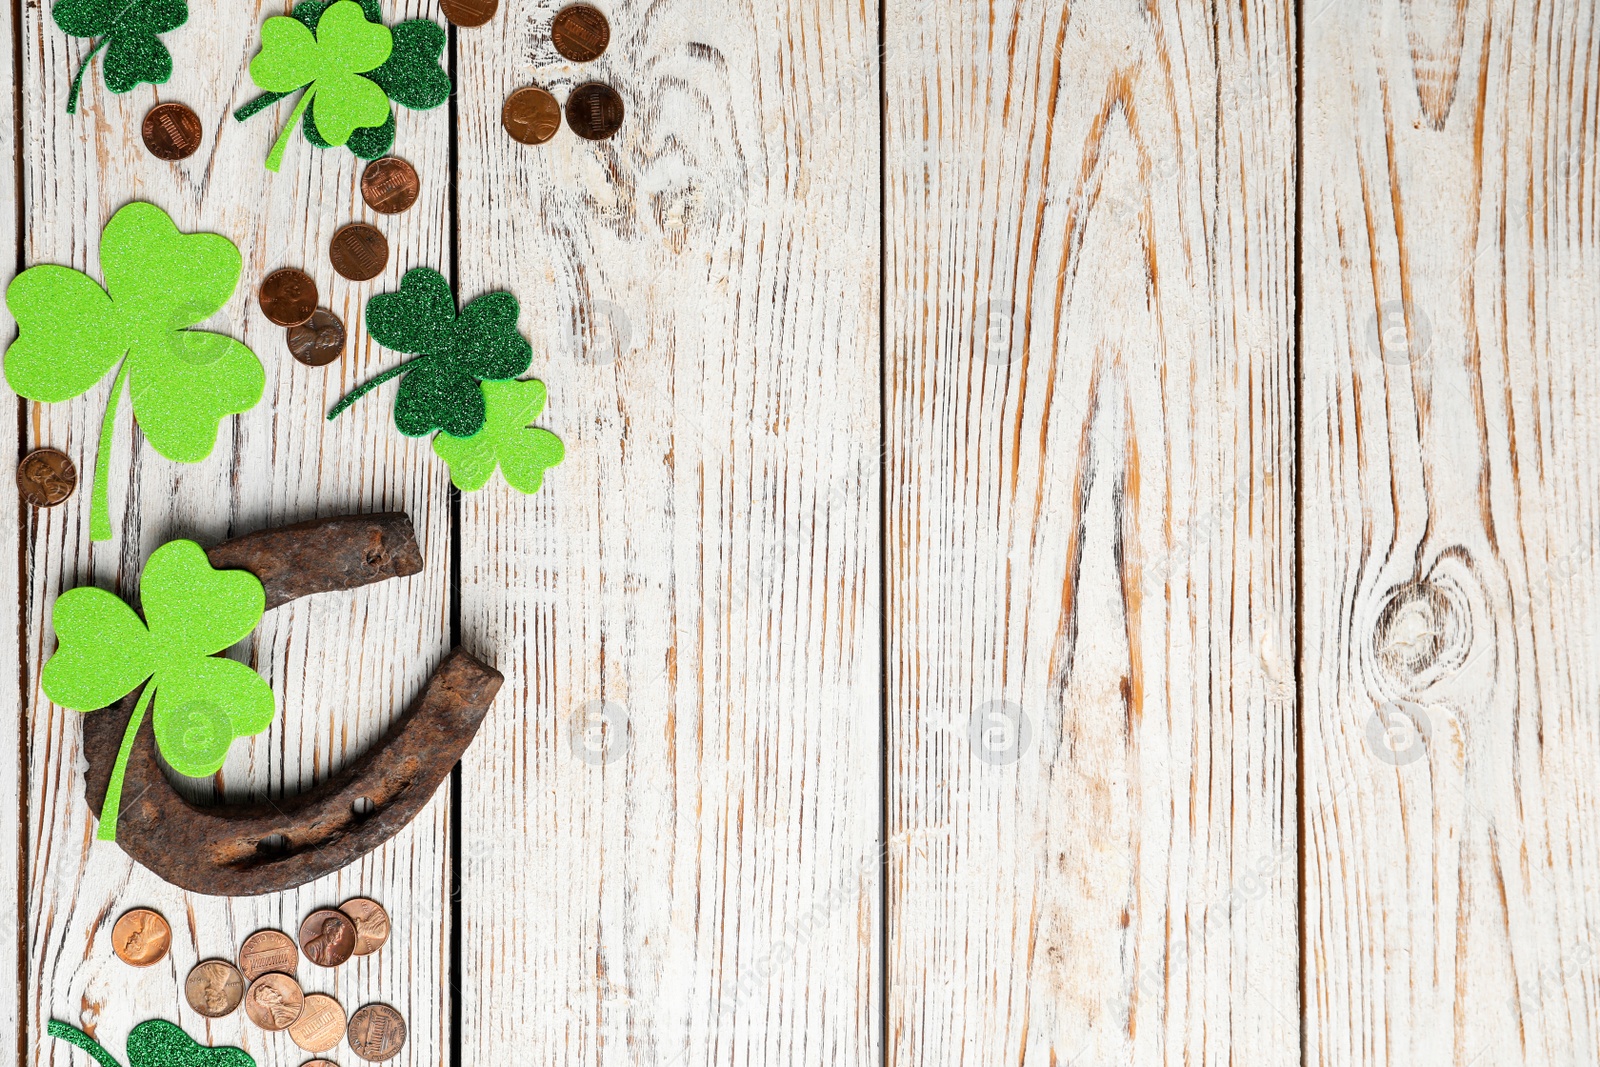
(130, 31)
(154, 1043)
(507, 441)
(192, 612)
(158, 282)
(455, 353)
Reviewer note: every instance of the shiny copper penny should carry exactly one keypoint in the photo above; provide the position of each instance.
(214, 988)
(390, 185)
(288, 296)
(171, 131)
(376, 1032)
(531, 115)
(372, 924)
(46, 477)
(580, 33)
(359, 252)
(274, 1002)
(268, 950)
(594, 111)
(469, 13)
(320, 1025)
(141, 937)
(328, 938)
(319, 340)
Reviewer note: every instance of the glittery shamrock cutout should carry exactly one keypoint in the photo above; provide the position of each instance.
(412, 77)
(154, 1043)
(521, 451)
(182, 382)
(192, 613)
(130, 32)
(454, 353)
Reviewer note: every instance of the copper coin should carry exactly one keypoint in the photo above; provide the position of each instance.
(531, 115)
(376, 1032)
(214, 988)
(171, 131)
(390, 185)
(594, 111)
(288, 296)
(319, 340)
(141, 937)
(469, 13)
(320, 1025)
(274, 1001)
(328, 938)
(372, 924)
(580, 33)
(268, 950)
(46, 477)
(359, 252)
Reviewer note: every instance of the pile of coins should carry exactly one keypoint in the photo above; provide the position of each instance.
(594, 110)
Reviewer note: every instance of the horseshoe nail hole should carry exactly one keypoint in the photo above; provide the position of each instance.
(272, 846)
(362, 807)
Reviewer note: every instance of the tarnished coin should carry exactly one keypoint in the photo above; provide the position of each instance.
(372, 924)
(531, 115)
(288, 296)
(320, 1025)
(469, 13)
(214, 988)
(359, 252)
(46, 477)
(319, 340)
(328, 938)
(580, 33)
(171, 131)
(594, 111)
(274, 1001)
(390, 185)
(268, 950)
(141, 937)
(376, 1032)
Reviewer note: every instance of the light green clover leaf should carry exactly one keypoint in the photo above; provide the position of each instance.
(522, 452)
(192, 612)
(159, 282)
(330, 64)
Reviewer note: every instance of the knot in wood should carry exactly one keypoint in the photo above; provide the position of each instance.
(1421, 633)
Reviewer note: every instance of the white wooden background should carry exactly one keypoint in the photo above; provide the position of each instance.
(1078, 544)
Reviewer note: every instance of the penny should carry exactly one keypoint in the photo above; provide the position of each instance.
(214, 988)
(46, 477)
(469, 13)
(372, 924)
(171, 131)
(320, 1025)
(328, 938)
(274, 1001)
(580, 33)
(288, 296)
(376, 1032)
(141, 937)
(594, 111)
(268, 950)
(531, 115)
(359, 252)
(319, 340)
(390, 185)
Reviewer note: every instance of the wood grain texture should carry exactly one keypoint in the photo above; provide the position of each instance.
(670, 850)
(1451, 258)
(342, 666)
(1090, 534)
(12, 839)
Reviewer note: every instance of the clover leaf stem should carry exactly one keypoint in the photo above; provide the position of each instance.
(69, 1033)
(99, 509)
(113, 803)
(362, 390)
(275, 157)
(77, 83)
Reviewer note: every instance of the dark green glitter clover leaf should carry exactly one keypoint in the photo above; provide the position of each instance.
(154, 1043)
(454, 353)
(130, 32)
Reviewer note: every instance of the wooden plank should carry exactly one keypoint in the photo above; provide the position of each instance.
(1452, 263)
(11, 767)
(1090, 540)
(670, 832)
(342, 666)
